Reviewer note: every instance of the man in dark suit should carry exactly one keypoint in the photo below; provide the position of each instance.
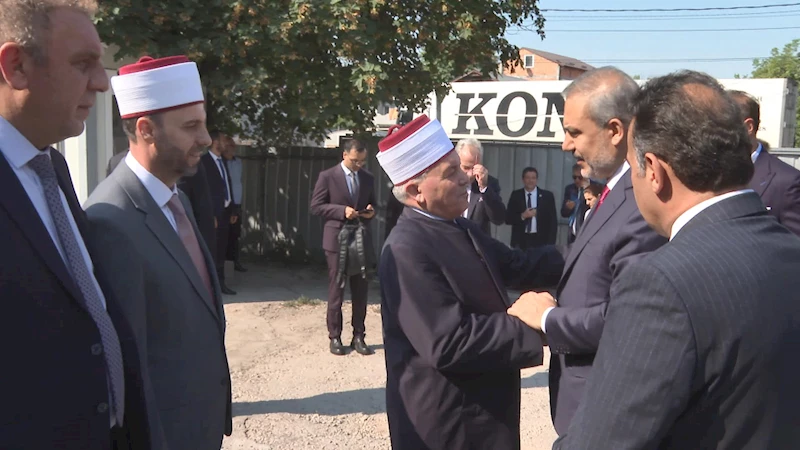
(776, 182)
(614, 236)
(147, 232)
(531, 212)
(483, 192)
(344, 194)
(221, 189)
(393, 211)
(574, 205)
(114, 161)
(702, 336)
(73, 375)
(453, 355)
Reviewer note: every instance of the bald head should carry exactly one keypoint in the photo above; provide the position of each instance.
(688, 121)
(610, 92)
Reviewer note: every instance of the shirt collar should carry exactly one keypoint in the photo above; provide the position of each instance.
(534, 191)
(618, 175)
(346, 170)
(16, 148)
(431, 216)
(754, 155)
(160, 192)
(214, 155)
(692, 212)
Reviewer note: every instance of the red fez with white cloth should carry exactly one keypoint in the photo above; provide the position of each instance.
(154, 85)
(407, 152)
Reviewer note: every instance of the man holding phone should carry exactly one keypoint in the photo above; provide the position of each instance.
(531, 212)
(343, 197)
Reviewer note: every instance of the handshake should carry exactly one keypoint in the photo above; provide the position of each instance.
(530, 308)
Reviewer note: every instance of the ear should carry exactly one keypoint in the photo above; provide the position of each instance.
(15, 65)
(750, 125)
(617, 131)
(656, 174)
(145, 128)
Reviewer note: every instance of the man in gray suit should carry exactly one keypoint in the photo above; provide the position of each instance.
(702, 336)
(597, 112)
(170, 277)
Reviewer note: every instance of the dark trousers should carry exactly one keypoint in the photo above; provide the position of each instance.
(531, 240)
(358, 291)
(223, 229)
(232, 253)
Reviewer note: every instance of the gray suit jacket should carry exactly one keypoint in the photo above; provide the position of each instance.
(610, 241)
(701, 342)
(183, 333)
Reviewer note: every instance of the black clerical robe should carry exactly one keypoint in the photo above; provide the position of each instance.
(453, 355)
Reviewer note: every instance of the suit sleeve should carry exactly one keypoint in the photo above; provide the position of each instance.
(513, 213)
(790, 216)
(321, 201)
(566, 212)
(446, 336)
(493, 203)
(552, 220)
(578, 330)
(114, 251)
(538, 267)
(642, 375)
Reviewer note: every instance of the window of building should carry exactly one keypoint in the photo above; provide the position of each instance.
(528, 62)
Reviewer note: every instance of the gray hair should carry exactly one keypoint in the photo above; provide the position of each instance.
(470, 143)
(610, 91)
(400, 193)
(27, 22)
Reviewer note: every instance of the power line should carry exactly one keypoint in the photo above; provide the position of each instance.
(721, 8)
(749, 16)
(696, 30)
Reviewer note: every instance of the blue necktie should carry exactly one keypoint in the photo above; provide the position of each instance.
(530, 222)
(574, 215)
(224, 179)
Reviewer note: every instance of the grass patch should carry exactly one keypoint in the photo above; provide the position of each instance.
(302, 301)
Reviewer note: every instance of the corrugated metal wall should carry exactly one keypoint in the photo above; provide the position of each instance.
(278, 184)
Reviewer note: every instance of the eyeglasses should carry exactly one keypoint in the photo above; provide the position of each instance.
(577, 177)
(358, 162)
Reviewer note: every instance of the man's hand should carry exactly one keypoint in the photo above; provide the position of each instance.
(570, 204)
(481, 176)
(234, 219)
(369, 214)
(350, 213)
(530, 307)
(528, 213)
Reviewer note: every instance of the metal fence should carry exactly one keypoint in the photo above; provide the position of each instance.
(278, 184)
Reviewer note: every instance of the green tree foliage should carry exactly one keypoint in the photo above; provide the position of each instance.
(782, 64)
(299, 68)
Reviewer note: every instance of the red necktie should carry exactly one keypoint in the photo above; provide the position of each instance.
(603, 196)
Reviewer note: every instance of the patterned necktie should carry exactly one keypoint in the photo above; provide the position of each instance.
(354, 186)
(603, 196)
(189, 239)
(112, 353)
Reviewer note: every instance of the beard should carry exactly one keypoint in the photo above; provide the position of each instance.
(173, 158)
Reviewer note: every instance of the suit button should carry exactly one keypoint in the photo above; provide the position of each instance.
(97, 349)
(102, 408)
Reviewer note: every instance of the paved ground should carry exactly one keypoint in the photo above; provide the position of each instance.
(289, 392)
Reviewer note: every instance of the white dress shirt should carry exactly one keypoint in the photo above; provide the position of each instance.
(534, 204)
(465, 214)
(224, 176)
(754, 155)
(157, 189)
(611, 183)
(18, 151)
(690, 213)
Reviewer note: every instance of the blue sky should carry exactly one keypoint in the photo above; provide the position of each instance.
(608, 48)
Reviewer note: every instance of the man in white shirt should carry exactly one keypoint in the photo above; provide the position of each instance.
(164, 268)
(702, 335)
(486, 206)
(614, 236)
(72, 378)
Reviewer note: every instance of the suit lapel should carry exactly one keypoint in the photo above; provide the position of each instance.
(474, 198)
(613, 201)
(762, 174)
(158, 224)
(495, 276)
(340, 181)
(21, 210)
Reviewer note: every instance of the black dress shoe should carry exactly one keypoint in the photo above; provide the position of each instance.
(227, 291)
(360, 346)
(336, 347)
(239, 268)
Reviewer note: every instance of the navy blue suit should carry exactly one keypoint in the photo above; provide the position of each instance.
(54, 387)
(778, 184)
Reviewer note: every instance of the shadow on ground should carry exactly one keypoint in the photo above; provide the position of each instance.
(366, 401)
(537, 380)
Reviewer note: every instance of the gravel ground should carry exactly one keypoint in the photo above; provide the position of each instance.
(290, 393)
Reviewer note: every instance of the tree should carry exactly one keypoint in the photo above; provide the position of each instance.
(782, 64)
(277, 70)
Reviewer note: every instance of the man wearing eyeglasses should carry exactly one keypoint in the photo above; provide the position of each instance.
(574, 205)
(343, 197)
